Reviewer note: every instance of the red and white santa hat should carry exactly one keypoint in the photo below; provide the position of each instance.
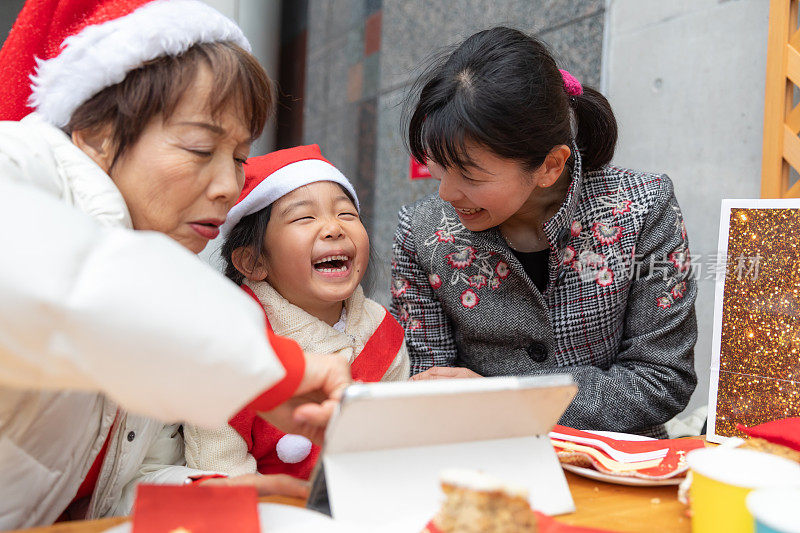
(60, 53)
(272, 176)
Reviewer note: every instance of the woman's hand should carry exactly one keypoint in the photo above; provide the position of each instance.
(269, 485)
(307, 413)
(445, 372)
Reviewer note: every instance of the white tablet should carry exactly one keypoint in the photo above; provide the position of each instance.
(388, 443)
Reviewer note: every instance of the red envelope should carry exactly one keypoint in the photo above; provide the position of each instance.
(785, 432)
(195, 509)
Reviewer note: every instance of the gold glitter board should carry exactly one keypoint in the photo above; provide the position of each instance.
(755, 367)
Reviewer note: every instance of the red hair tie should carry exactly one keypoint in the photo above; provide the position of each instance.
(571, 83)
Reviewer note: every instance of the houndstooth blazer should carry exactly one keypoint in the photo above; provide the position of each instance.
(618, 312)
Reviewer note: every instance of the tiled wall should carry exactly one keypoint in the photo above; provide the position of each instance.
(9, 9)
(362, 56)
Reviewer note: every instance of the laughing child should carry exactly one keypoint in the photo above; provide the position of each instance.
(295, 242)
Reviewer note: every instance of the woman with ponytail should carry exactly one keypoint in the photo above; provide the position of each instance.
(539, 256)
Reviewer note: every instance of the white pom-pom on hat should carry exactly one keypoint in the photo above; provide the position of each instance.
(293, 448)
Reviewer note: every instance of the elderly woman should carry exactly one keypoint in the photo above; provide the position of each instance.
(539, 256)
(143, 114)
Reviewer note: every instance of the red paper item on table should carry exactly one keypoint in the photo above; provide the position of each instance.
(673, 464)
(546, 525)
(195, 509)
(627, 446)
(785, 432)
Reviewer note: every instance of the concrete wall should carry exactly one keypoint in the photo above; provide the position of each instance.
(686, 81)
(355, 86)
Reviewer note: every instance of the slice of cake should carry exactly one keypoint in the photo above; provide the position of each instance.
(763, 445)
(479, 503)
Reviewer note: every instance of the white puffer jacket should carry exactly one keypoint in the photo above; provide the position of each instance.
(94, 316)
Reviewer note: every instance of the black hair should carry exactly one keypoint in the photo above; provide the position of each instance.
(249, 233)
(503, 90)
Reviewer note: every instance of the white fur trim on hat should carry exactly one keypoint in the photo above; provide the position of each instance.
(102, 55)
(282, 182)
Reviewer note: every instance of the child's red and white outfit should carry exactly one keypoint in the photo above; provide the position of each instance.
(367, 335)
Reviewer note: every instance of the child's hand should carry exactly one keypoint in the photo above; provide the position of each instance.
(445, 372)
(308, 412)
(269, 485)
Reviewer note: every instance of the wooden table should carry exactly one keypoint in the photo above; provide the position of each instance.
(601, 505)
(624, 508)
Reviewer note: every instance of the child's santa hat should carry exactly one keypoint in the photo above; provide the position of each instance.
(269, 177)
(60, 53)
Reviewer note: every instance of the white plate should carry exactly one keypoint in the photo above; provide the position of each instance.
(591, 473)
(277, 518)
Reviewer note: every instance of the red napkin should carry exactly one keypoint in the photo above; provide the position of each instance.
(546, 525)
(627, 446)
(785, 432)
(673, 464)
(195, 509)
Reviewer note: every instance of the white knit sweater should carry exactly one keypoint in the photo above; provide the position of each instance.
(223, 449)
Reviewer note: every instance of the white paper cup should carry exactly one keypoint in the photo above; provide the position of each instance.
(775, 510)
